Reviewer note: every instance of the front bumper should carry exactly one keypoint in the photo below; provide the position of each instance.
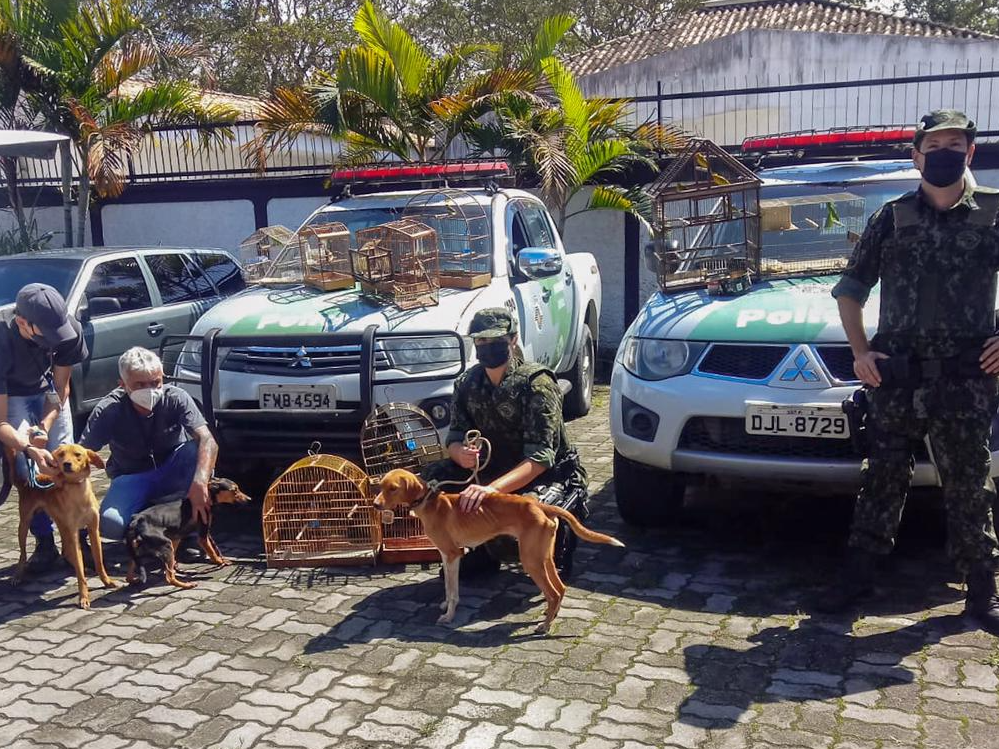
(700, 430)
(250, 437)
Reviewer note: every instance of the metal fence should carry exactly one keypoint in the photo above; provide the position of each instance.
(750, 106)
(727, 115)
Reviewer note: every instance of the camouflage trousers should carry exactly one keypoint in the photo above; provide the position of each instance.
(957, 417)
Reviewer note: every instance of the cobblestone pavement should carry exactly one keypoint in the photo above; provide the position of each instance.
(695, 636)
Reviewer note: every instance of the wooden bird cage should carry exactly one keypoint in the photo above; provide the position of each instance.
(463, 236)
(318, 513)
(325, 255)
(398, 435)
(414, 279)
(707, 221)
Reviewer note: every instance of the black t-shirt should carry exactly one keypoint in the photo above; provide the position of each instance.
(141, 443)
(24, 363)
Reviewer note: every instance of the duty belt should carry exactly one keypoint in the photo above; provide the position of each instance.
(912, 371)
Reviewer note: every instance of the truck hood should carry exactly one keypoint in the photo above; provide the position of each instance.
(301, 309)
(792, 310)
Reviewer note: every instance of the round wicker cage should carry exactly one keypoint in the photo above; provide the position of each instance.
(319, 512)
(399, 435)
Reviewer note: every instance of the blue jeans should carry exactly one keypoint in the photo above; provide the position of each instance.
(29, 408)
(134, 492)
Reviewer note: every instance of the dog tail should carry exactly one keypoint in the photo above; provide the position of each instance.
(578, 528)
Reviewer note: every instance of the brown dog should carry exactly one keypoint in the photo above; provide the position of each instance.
(72, 505)
(449, 528)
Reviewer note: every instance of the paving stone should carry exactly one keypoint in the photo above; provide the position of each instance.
(264, 714)
(496, 697)
(482, 736)
(282, 700)
(962, 695)
(316, 681)
(181, 718)
(52, 696)
(243, 736)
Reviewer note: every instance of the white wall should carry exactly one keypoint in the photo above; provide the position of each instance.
(47, 219)
(761, 57)
(291, 212)
(215, 223)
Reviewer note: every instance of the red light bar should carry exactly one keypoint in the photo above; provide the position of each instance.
(831, 138)
(417, 172)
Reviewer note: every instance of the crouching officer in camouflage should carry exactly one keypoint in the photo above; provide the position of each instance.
(517, 406)
(931, 369)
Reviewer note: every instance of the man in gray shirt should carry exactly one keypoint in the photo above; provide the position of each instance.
(39, 344)
(160, 443)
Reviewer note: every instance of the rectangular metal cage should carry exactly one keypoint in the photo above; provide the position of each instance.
(414, 271)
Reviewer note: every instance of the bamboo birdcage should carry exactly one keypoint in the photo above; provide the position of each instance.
(325, 254)
(399, 435)
(319, 512)
(463, 236)
(410, 249)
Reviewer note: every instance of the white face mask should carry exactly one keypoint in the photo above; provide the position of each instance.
(146, 398)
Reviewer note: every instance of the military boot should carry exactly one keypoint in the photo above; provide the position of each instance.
(45, 556)
(856, 583)
(982, 602)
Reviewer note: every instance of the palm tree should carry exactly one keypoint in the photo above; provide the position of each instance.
(570, 141)
(94, 84)
(388, 95)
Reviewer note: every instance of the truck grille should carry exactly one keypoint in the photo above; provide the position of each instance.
(728, 436)
(289, 362)
(747, 362)
(839, 362)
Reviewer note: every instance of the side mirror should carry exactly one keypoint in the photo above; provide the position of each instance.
(539, 262)
(100, 305)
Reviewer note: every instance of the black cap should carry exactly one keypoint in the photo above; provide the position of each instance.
(492, 322)
(44, 307)
(944, 119)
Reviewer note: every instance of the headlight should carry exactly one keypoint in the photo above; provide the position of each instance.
(657, 359)
(190, 357)
(415, 355)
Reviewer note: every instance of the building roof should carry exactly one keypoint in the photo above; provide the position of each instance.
(249, 107)
(715, 20)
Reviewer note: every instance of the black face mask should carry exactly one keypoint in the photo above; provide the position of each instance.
(493, 354)
(943, 167)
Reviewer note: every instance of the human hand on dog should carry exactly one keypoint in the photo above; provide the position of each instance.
(200, 505)
(42, 457)
(472, 495)
(38, 437)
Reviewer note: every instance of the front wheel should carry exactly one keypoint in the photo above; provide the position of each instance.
(580, 398)
(647, 496)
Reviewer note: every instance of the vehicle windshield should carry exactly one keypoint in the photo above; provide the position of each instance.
(57, 272)
(287, 267)
(814, 227)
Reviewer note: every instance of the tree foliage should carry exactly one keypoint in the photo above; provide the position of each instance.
(980, 15)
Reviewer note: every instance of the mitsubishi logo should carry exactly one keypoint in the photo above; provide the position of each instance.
(301, 359)
(801, 367)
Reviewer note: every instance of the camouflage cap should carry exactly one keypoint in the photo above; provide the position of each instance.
(943, 119)
(492, 322)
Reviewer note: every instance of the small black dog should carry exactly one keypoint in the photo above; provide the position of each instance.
(154, 534)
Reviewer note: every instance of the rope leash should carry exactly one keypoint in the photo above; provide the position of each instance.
(475, 441)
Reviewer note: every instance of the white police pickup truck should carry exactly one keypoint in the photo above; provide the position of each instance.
(751, 385)
(283, 365)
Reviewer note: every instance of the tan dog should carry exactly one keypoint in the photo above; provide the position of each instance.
(449, 528)
(72, 505)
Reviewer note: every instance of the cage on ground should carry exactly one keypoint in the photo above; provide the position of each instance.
(400, 435)
(319, 512)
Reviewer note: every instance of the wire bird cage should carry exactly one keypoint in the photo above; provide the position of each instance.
(325, 253)
(808, 233)
(398, 262)
(707, 221)
(399, 435)
(319, 512)
(463, 237)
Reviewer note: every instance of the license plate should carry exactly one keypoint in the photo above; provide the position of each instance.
(827, 422)
(297, 397)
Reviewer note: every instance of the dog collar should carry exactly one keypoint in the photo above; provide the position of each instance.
(432, 491)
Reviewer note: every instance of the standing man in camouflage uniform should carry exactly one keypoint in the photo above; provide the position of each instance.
(931, 368)
(517, 406)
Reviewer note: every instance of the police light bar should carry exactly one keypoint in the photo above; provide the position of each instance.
(456, 170)
(830, 139)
